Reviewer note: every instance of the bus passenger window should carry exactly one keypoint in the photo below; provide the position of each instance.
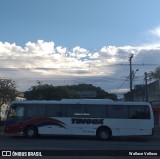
(54, 111)
(145, 113)
(35, 111)
(29, 113)
(96, 111)
(139, 112)
(73, 110)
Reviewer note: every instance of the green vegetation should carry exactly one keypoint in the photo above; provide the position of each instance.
(7, 92)
(155, 74)
(50, 92)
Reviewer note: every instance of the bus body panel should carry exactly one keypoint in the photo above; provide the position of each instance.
(124, 128)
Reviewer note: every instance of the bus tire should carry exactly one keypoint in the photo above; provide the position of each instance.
(103, 133)
(31, 132)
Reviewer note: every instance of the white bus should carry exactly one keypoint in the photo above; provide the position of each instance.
(100, 117)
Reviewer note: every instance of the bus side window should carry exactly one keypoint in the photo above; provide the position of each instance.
(139, 112)
(145, 113)
(133, 112)
(112, 111)
(122, 112)
(29, 113)
(35, 110)
(73, 110)
(60, 114)
(118, 111)
(54, 110)
(96, 111)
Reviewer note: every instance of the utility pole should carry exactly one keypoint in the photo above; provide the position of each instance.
(131, 73)
(146, 87)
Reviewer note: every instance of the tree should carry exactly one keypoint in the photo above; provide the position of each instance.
(155, 74)
(50, 92)
(7, 91)
(100, 93)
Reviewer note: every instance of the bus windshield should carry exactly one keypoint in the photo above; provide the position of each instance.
(15, 112)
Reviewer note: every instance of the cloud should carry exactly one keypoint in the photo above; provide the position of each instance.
(40, 48)
(61, 50)
(43, 60)
(156, 31)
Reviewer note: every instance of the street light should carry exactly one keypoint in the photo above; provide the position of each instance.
(134, 73)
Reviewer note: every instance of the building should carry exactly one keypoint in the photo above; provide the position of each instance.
(140, 95)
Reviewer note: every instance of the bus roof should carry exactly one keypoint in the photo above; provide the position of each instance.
(78, 101)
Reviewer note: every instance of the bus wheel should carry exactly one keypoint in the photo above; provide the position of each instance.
(31, 132)
(103, 134)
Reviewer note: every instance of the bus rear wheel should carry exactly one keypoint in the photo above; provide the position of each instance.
(31, 132)
(103, 134)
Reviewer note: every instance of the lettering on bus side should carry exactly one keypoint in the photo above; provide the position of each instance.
(86, 121)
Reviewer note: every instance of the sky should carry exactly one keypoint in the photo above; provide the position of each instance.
(63, 42)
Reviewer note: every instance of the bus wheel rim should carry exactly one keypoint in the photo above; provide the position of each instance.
(104, 135)
(30, 133)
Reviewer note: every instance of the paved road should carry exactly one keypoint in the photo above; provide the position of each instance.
(78, 143)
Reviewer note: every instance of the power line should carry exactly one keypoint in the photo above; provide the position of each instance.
(54, 68)
(121, 85)
(140, 64)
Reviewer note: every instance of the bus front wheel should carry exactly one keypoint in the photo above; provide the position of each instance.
(103, 134)
(31, 132)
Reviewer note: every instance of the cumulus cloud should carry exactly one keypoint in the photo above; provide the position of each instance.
(40, 48)
(44, 60)
(61, 50)
(156, 31)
